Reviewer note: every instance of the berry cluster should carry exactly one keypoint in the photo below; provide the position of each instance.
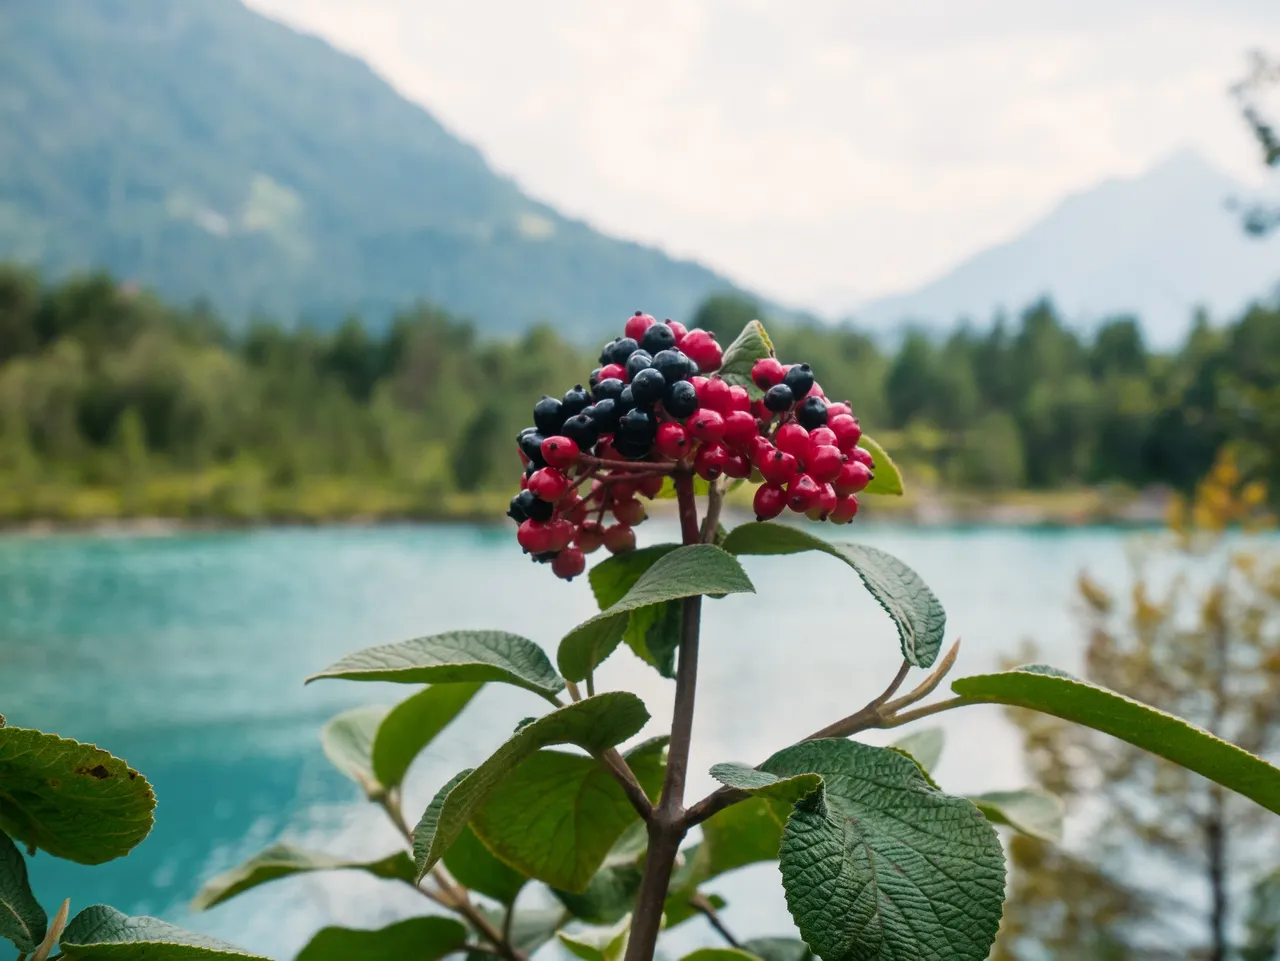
(654, 406)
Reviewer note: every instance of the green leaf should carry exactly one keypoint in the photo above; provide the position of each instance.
(70, 799)
(608, 896)
(284, 860)
(653, 633)
(1029, 811)
(915, 610)
(22, 919)
(925, 746)
(719, 954)
(740, 356)
(778, 949)
(347, 740)
(684, 572)
(1050, 691)
(598, 944)
(557, 816)
(745, 833)
(453, 658)
(475, 866)
(413, 724)
(614, 576)
(532, 927)
(593, 724)
(877, 865)
(888, 479)
(416, 939)
(101, 933)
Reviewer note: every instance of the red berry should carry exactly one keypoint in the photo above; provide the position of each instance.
(821, 436)
(569, 563)
(605, 449)
(561, 534)
(778, 467)
(802, 493)
(823, 462)
(701, 346)
(672, 440)
(698, 382)
(769, 502)
(740, 430)
(560, 451)
(760, 448)
(854, 476)
(572, 508)
(846, 509)
(706, 426)
(590, 536)
(715, 395)
(616, 371)
(816, 391)
(709, 462)
(619, 538)
(741, 399)
(736, 465)
(863, 456)
(630, 512)
(838, 410)
(651, 486)
(765, 373)
(623, 490)
(635, 327)
(535, 536)
(679, 330)
(548, 484)
(826, 499)
(846, 429)
(524, 482)
(760, 412)
(792, 438)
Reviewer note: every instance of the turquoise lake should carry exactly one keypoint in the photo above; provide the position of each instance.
(185, 655)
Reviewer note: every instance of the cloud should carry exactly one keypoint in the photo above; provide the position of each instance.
(820, 149)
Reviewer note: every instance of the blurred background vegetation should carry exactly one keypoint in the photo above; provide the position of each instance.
(114, 404)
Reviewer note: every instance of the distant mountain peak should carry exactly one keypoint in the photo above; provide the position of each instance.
(1158, 245)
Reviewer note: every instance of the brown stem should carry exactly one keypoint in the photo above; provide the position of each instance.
(708, 911)
(617, 766)
(715, 499)
(662, 466)
(870, 712)
(667, 825)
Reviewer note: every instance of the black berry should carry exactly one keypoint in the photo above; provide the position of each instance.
(548, 415)
(638, 361)
(637, 424)
(800, 379)
(530, 442)
(609, 388)
(621, 349)
(812, 413)
(607, 351)
(658, 337)
(575, 400)
(779, 398)
(681, 399)
(516, 511)
(594, 379)
(545, 557)
(648, 386)
(626, 400)
(581, 430)
(632, 449)
(604, 413)
(532, 507)
(673, 365)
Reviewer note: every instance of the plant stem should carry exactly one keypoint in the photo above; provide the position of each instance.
(708, 911)
(667, 826)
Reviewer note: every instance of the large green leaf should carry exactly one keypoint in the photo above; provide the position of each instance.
(557, 816)
(476, 868)
(101, 933)
(347, 740)
(925, 746)
(887, 479)
(456, 657)
(877, 865)
(653, 633)
(778, 949)
(684, 572)
(1031, 812)
(413, 724)
(70, 799)
(915, 610)
(22, 919)
(750, 345)
(598, 944)
(614, 576)
(719, 954)
(594, 724)
(416, 939)
(608, 896)
(284, 860)
(1050, 691)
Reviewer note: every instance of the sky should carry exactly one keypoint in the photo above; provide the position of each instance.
(819, 151)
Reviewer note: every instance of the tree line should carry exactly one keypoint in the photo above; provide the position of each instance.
(113, 402)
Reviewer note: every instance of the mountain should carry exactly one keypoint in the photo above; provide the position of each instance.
(1158, 246)
(199, 148)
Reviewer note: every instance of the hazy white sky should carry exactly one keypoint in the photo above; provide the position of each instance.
(816, 150)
